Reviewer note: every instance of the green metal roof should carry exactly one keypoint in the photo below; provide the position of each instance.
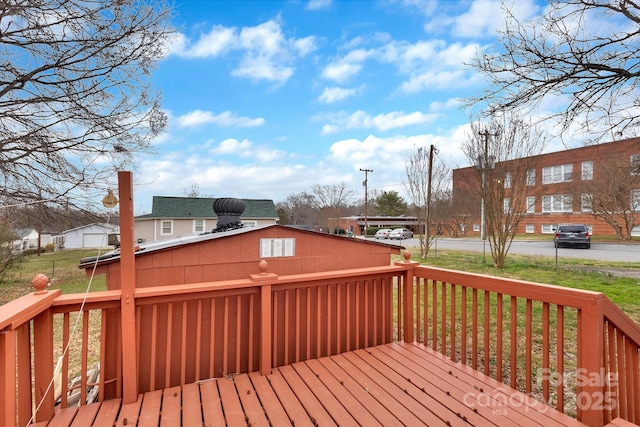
(202, 207)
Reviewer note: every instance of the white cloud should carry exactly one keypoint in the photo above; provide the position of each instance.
(224, 119)
(347, 66)
(267, 53)
(319, 4)
(335, 94)
(381, 122)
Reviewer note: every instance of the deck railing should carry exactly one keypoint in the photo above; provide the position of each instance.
(573, 349)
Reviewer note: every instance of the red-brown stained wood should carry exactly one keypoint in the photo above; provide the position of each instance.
(356, 369)
(63, 417)
(191, 405)
(290, 403)
(108, 413)
(171, 414)
(150, 411)
(357, 400)
(316, 411)
(271, 405)
(428, 409)
(254, 413)
(231, 406)
(211, 404)
(130, 413)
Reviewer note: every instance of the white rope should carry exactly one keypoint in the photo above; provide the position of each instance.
(73, 330)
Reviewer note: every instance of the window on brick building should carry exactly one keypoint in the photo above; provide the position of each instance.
(531, 204)
(507, 180)
(530, 229)
(547, 228)
(506, 204)
(557, 203)
(531, 177)
(635, 200)
(635, 164)
(560, 173)
(586, 203)
(587, 170)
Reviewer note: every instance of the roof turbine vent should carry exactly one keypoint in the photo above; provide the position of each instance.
(228, 210)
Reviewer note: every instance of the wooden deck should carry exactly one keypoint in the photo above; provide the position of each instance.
(388, 385)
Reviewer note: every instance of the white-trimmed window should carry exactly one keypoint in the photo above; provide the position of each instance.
(560, 173)
(506, 204)
(198, 225)
(587, 170)
(507, 180)
(557, 203)
(531, 177)
(586, 203)
(476, 227)
(635, 164)
(529, 228)
(635, 200)
(531, 204)
(166, 227)
(547, 228)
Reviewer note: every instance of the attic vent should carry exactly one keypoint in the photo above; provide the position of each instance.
(228, 211)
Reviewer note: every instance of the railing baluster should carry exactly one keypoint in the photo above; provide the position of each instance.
(434, 315)
(474, 328)
(84, 357)
(443, 318)
(513, 335)
(545, 351)
(452, 316)
(487, 346)
(463, 326)
(499, 332)
(528, 346)
(560, 358)
(64, 387)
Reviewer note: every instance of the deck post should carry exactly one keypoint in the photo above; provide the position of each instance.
(407, 297)
(591, 375)
(264, 280)
(128, 287)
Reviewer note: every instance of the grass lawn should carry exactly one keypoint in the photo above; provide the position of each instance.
(572, 273)
(61, 268)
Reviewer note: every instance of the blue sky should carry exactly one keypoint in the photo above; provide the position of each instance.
(268, 98)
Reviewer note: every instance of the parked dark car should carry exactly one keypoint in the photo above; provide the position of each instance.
(572, 235)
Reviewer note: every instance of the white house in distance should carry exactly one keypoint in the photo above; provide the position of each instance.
(87, 236)
(173, 217)
(27, 238)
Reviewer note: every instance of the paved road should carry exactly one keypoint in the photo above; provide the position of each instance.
(598, 251)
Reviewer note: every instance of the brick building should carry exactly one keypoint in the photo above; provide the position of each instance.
(563, 187)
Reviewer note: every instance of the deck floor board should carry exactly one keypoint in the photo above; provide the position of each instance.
(390, 385)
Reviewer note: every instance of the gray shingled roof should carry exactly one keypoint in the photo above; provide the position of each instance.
(202, 207)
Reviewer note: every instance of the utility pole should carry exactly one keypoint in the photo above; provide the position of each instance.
(427, 228)
(366, 199)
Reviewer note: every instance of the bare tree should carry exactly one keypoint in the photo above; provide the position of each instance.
(582, 53)
(332, 201)
(612, 194)
(76, 101)
(502, 149)
(299, 209)
(426, 181)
